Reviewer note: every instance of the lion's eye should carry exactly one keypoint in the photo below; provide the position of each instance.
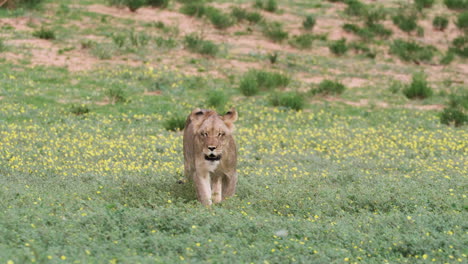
(221, 134)
(204, 134)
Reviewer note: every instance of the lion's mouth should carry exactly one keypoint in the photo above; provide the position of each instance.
(212, 157)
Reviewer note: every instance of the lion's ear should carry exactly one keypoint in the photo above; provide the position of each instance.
(197, 116)
(230, 117)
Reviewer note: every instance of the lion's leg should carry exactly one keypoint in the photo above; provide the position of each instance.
(217, 187)
(203, 186)
(229, 185)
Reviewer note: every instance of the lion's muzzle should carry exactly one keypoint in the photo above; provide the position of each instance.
(212, 157)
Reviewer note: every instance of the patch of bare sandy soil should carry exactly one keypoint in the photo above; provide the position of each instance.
(19, 23)
(381, 104)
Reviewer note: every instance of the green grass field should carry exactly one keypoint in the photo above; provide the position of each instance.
(89, 165)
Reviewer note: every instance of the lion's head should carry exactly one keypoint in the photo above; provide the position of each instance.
(212, 131)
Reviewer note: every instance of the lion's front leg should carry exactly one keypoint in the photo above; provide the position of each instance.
(203, 187)
(229, 185)
(217, 187)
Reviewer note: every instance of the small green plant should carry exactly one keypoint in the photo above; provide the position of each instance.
(396, 87)
(462, 21)
(309, 22)
(196, 43)
(197, 9)
(303, 41)
(116, 95)
(418, 88)
(447, 58)
(291, 100)
(79, 109)
(242, 14)
(268, 80)
(254, 17)
(158, 3)
(379, 30)
(217, 99)
(103, 51)
(440, 23)
(275, 31)
(29, 4)
(355, 8)
(133, 5)
(219, 19)
(420, 4)
(3, 47)
(119, 39)
(267, 5)
(138, 39)
(362, 48)
(456, 4)
(239, 13)
(338, 47)
(407, 22)
(456, 112)
(174, 123)
(460, 46)
(249, 85)
(329, 87)
(273, 57)
(412, 51)
(44, 33)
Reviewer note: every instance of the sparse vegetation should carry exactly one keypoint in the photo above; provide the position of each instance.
(275, 31)
(30, 4)
(2, 45)
(303, 41)
(79, 109)
(44, 33)
(291, 100)
(249, 85)
(405, 21)
(309, 22)
(174, 123)
(456, 113)
(196, 8)
(338, 47)
(412, 51)
(462, 21)
(329, 87)
(440, 23)
(219, 19)
(460, 46)
(420, 4)
(418, 88)
(196, 43)
(116, 95)
(217, 99)
(456, 4)
(267, 5)
(255, 80)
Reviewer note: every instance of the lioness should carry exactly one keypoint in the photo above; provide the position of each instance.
(210, 154)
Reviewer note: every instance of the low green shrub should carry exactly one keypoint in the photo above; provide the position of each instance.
(30, 4)
(420, 4)
(219, 19)
(273, 57)
(309, 22)
(440, 23)
(418, 88)
(291, 100)
(175, 123)
(338, 47)
(412, 51)
(447, 58)
(329, 87)
(407, 22)
(79, 109)
(355, 8)
(249, 85)
(362, 48)
(196, 43)
(456, 112)
(197, 9)
(303, 41)
(460, 46)
(462, 21)
(456, 4)
(217, 99)
(158, 3)
(44, 33)
(267, 5)
(116, 95)
(3, 46)
(275, 31)
(268, 80)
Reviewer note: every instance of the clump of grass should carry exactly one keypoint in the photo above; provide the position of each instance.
(407, 22)
(197, 9)
(196, 43)
(242, 14)
(355, 8)
(329, 87)
(460, 46)
(116, 95)
(275, 31)
(309, 22)
(462, 21)
(138, 39)
(3, 47)
(273, 57)
(174, 123)
(456, 113)
(303, 41)
(362, 48)
(30, 4)
(456, 4)
(103, 51)
(249, 85)
(440, 23)
(158, 3)
(338, 47)
(447, 58)
(79, 109)
(254, 80)
(420, 4)
(379, 30)
(267, 5)
(44, 33)
(412, 51)
(219, 19)
(291, 100)
(418, 88)
(254, 17)
(217, 99)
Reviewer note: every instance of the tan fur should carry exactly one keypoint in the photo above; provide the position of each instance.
(208, 135)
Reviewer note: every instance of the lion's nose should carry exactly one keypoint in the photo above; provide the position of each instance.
(211, 148)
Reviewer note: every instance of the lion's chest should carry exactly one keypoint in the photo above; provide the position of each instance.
(211, 165)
